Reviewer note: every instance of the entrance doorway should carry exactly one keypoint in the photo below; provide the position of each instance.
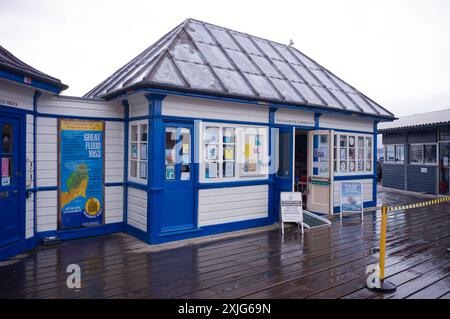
(444, 168)
(178, 213)
(301, 164)
(10, 183)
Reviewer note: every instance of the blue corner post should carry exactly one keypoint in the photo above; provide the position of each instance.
(272, 213)
(375, 159)
(156, 141)
(36, 96)
(126, 116)
(316, 141)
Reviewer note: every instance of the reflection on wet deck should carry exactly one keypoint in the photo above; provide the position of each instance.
(326, 263)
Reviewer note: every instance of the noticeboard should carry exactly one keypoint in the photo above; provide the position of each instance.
(81, 173)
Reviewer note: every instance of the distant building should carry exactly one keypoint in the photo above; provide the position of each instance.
(416, 152)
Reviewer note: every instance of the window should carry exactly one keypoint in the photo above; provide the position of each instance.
(231, 152)
(394, 153)
(444, 134)
(423, 153)
(138, 151)
(353, 154)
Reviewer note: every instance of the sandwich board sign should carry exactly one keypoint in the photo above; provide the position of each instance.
(291, 209)
(352, 197)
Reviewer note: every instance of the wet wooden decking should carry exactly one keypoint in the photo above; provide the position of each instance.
(327, 263)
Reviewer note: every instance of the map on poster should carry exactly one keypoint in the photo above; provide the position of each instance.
(81, 173)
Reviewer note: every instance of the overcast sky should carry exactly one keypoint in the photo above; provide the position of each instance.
(397, 52)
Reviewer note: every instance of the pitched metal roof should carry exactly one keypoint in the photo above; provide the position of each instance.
(441, 117)
(198, 56)
(11, 63)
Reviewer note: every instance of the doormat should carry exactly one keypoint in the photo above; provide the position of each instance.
(311, 220)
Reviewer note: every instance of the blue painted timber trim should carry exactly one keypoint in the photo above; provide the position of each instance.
(34, 83)
(83, 232)
(138, 118)
(316, 120)
(156, 138)
(252, 102)
(271, 204)
(143, 187)
(353, 177)
(113, 184)
(234, 184)
(126, 115)
(139, 234)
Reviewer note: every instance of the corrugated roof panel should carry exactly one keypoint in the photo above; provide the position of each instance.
(233, 81)
(199, 33)
(242, 62)
(345, 100)
(307, 93)
(286, 90)
(198, 76)
(165, 72)
(441, 117)
(305, 60)
(267, 49)
(214, 55)
(246, 43)
(185, 51)
(261, 85)
(265, 66)
(287, 71)
(284, 51)
(223, 38)
(344, 86)
(324, 79)
(331, 101)
(304, 72)
(361, 103)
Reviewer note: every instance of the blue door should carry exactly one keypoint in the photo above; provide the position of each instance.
(178, 213)
(284, 174)
(10, 180)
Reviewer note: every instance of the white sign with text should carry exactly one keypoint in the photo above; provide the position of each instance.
(291, 208)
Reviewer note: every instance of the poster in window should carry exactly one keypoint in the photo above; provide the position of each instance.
(229, 169)
(351, 197)
(185, 148)
(343, 154)
(81, 173)
(229, 153)
(343, 166)
(143, 170)
(351, 141)
(211, 170)
(368, 166)
(144, 152)
(134, 151)
(212, 152)
(170, 172)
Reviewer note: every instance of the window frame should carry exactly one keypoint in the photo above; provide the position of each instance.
(395, 161)
(138, 160)
(422, 163)
(337, 151)
(239, 152)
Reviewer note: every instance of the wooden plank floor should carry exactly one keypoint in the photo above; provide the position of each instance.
(326, 263)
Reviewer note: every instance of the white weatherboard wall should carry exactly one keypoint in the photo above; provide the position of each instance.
(138, 106)
(47, 157)
(137, 209)
(218, 110)
(232, 204)
(367, 190)
(29, 210)
(21, 96)
(345, 123)
(69, 106)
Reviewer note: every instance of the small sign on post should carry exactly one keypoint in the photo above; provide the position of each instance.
(291, 209)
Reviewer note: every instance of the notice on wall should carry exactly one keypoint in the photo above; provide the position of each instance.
(351, 197)
(81, 173)
(6, 179)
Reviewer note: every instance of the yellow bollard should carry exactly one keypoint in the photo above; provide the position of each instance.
(383, 240)
(383, 286)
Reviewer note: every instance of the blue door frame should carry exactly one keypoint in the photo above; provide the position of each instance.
(12, 203)
(178, 212)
